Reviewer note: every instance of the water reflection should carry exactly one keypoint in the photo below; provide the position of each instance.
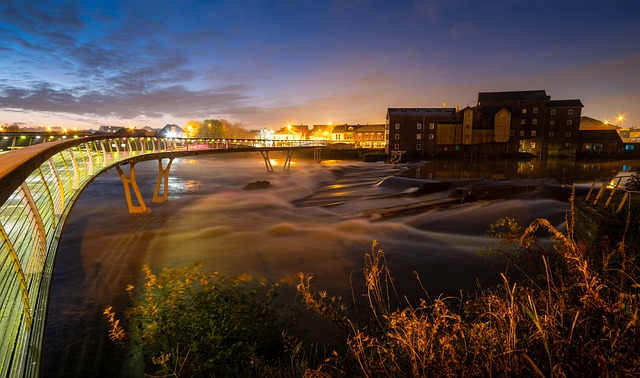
(565, 171)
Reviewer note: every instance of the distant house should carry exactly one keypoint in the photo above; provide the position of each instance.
(321, 132)
(292, 132)
(370, 136)
(171, 131)
(344, 136)
(109, 129)
(600, 143)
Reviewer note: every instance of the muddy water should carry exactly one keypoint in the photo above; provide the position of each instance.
(309, 220)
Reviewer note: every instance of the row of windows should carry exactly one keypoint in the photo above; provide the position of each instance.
(534, 133)
(552, 122)
(418, 126)
(551, 111)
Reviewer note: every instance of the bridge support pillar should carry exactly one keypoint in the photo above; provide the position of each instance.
(163, 175)
(129, 183)
(267, 161)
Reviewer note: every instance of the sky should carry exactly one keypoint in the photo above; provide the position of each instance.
(266, 64)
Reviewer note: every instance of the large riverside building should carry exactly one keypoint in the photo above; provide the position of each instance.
(502, 123)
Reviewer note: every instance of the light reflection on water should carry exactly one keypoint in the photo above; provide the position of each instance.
(303, 223)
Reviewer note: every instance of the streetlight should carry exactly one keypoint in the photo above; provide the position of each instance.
(620, 119)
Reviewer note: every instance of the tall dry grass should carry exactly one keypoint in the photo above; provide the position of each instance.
(572, 311)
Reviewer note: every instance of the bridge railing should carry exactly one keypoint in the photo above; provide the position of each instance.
(38, 187)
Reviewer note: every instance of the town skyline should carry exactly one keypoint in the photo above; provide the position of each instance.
(266, 64)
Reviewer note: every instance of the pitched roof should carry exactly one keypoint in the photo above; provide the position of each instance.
(588, 123)
(564, 103)
(512, 96)
(599, 136)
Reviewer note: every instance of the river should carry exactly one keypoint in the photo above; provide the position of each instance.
(315, 218)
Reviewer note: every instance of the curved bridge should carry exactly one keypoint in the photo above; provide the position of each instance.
(38, 187)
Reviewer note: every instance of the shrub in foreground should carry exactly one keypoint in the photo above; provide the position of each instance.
(188, 323)
(577, 316)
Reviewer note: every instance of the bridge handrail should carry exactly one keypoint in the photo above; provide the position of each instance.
(38, 186)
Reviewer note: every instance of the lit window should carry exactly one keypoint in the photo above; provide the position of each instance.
(533, 145)
(524, 110)
(397, 137)
(552, 123)
(432, 126)
(521, 133)
(629, 147)
(396, 147)
(553, 112)
(418, 136)
(534, 121)
(419, 126)
(570, 112)
(533, 133)
(523, 121)
(430, 136)
(535, 110)
(418, 146)
(397, 126)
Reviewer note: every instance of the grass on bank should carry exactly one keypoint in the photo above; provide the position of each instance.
(571, 311)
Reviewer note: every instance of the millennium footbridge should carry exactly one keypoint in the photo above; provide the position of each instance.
(39, 185)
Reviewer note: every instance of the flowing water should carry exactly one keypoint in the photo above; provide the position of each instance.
(316, 218)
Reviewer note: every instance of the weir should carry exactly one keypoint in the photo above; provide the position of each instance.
(39, 185)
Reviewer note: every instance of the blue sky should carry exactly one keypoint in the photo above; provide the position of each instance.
(264, 63)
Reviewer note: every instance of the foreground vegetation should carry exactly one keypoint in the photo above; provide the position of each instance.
(570, 308)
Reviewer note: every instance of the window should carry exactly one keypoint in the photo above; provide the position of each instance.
(535, 110)
(396, 137)
(396, 147)
(553, 112)
(551, 134)
(534, 121)
(567, 134)
(418, 136)
(430, 136)
(597, 146)
(533, 145)
(523, 121)
(552, 123)
(521, 133)
(512, 132)
(587, 146)
(629, 147)
(569, 122)
(570, 112)
(567, 145)
(418, 146)
(524, 110)
(397, 126)
(533, 133)
(419, 126)
(432, 126)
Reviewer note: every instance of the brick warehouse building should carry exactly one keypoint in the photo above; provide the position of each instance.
(502, 123)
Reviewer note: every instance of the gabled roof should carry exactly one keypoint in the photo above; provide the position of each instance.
(512, 96)
(368, 128)
(564, 104)
(599, 136)
(588, 123)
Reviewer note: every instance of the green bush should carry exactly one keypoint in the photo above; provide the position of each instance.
(188, 323)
